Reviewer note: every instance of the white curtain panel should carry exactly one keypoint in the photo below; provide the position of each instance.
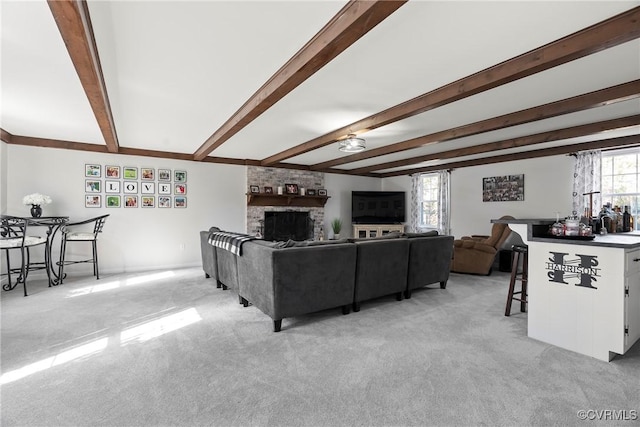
(443, 203)
(587, 179)
(414, 209)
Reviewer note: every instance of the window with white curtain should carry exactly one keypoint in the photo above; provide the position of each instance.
(620, 180)
(428, 201)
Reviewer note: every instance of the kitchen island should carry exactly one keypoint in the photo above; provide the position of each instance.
(583, 294)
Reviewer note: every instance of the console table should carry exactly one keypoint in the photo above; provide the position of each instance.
(367, 231)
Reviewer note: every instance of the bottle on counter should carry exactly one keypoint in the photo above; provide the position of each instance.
(626, 220)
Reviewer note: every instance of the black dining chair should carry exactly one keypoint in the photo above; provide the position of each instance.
(14, 237)
(81, 231)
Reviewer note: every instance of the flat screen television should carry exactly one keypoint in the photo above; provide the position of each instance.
(377, 207)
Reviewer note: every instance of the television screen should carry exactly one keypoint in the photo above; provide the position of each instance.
(377, 207)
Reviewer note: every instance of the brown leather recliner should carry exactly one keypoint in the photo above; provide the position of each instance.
(476, 254)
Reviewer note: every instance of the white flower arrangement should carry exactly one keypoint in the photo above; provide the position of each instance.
(36, 199)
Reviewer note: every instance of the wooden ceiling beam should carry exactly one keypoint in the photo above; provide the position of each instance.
(623, 141)
(622, 92)
(611, 32)
(74, 24)
(5, 136)
(353, 21)
(523, 141)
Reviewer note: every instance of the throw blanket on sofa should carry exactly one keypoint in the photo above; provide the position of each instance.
(229, 241)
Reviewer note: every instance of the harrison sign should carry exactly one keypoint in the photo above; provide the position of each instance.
(582, 268)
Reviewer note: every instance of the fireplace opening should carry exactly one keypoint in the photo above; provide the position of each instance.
(279, 226)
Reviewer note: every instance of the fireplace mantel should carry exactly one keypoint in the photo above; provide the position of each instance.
(263, 199)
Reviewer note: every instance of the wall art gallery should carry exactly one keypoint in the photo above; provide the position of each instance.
(133, 187)
(508, 188)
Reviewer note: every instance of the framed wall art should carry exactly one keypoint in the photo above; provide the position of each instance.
(164, 201)
(113, 201)
(180, 202)
(130, 201)
(180, 189)
(148, 187)
(508, 188)
(92, 201)
(322, 192)
(148, 201)
(130, 187)
(291, 188)
(92, 186)
(164, 188)
(180, 176)
(111, 186)
(254, 188)
(129, 172)
(147, 174)
(112, 172)
(268, 190)
(164, 174)
(92, 171)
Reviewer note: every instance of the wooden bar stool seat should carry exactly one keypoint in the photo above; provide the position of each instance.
(521, 276)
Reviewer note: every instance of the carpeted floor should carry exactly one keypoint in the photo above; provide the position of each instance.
(168, 348)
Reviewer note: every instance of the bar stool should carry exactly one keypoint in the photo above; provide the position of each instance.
(518, 251)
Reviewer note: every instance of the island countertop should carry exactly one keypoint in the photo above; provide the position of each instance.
(537, 231)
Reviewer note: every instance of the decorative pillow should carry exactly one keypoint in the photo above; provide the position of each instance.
(425, 234)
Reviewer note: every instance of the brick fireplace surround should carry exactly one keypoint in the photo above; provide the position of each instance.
(275, 177)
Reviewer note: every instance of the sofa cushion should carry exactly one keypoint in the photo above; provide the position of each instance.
(391, 235)
(425, 234)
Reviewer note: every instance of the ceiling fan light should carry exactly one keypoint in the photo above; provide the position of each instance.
(352, 144)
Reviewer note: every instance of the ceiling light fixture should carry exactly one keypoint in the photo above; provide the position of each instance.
(352, 144)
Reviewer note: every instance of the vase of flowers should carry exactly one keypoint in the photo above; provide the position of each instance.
(36, 200)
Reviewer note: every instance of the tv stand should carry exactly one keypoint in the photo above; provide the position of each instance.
(368, 231)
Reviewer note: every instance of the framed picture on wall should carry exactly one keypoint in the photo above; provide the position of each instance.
(322, 192)
(268, 190)
(111, 186)
(180, 202)
(130, 201)
(180, 189)
(180, 176)
(92, 171)
(147, 174)
(164, 174)
(508, 188)
(92, 186)
(148, 201)
(254, 188)
(112, 172)
(130, 172)
(291, 188)
(92, 201)
(148, 187)
(164, 201)
(311, 192)
(113, 201)
(164, 188)
(131, 187)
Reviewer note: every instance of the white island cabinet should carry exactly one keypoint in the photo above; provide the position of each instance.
(584, 295)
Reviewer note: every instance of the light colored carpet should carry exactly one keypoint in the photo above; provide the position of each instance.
(173, 350)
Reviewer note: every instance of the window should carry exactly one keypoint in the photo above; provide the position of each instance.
(620, 176)
(428, 200)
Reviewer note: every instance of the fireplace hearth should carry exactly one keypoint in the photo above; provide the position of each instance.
(288, 225)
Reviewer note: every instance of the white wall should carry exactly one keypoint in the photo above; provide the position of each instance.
(547, 185)
(133, 239)
(3, 177)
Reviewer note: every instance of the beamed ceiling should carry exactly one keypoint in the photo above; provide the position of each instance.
(428, 84)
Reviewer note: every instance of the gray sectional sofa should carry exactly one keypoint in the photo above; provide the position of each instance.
(288, 279)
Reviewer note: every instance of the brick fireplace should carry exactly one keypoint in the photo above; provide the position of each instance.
(275, 177)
